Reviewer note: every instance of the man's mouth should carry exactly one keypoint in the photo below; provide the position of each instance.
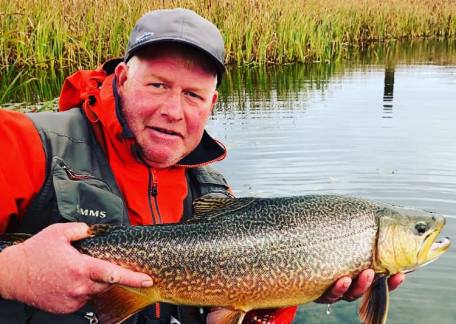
(166, 131)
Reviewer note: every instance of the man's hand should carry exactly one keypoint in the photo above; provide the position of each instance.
(347, 289)
(47, 272)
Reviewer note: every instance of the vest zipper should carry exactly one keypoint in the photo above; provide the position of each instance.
(75, 176)
(72, 175)
(153, 192)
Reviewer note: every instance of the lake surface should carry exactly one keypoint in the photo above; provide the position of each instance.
(383, 127)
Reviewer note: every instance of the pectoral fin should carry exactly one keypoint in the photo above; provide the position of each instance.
(225, 316)
(121, 302)
(374, 306)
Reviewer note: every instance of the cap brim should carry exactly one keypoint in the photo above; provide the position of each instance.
(219, 66)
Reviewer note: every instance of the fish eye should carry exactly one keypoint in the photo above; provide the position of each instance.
(421, 228)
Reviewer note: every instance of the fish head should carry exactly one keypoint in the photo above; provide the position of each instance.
(407, 239)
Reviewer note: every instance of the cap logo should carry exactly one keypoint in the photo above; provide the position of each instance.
(144, 37)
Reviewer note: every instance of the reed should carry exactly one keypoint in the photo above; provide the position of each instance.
(55, 36)
(81, 33)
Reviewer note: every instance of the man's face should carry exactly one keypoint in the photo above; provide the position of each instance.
(166, 102)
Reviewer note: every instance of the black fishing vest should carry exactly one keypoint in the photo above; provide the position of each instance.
(80, 187)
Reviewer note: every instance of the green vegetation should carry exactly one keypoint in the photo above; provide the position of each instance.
(268, 82)
(53, 37)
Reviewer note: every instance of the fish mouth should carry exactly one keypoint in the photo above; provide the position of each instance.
(434, 247)
(438, 247)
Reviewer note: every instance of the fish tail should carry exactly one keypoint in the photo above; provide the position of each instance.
(120, 302)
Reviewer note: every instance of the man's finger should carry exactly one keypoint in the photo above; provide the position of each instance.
(98, 287)
(336, 291)
(74, 231)
(395, 281)
(360, 285)
(103, 271)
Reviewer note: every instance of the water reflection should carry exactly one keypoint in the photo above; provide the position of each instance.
(388, 91)
(36, 85)
(291, 87)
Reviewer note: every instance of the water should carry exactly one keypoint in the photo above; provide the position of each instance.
(382, 128)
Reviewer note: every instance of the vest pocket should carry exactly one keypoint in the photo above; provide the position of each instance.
(209, 182)
(81, 197)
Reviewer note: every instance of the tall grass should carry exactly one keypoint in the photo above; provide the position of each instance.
(51, 37)
(80, 33)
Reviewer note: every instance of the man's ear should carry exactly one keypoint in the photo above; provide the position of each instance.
(121, 73)
(214, 100)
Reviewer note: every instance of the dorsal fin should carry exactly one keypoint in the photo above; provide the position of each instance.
(212, 207)
(102, 229)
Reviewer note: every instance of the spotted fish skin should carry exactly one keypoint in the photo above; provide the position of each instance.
(257, 253)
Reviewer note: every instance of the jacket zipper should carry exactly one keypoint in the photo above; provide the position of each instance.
(152, 193)
(156, 218)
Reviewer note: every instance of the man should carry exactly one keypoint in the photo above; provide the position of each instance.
(135, 153)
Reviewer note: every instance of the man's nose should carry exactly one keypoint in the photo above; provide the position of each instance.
(173, 107)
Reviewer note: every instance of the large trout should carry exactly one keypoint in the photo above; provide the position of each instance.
(249, 253)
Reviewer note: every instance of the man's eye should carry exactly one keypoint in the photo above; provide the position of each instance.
(193, 95)
(157, 85)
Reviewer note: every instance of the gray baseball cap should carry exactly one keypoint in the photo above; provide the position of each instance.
(180, 26)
